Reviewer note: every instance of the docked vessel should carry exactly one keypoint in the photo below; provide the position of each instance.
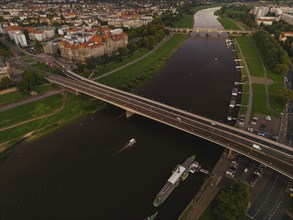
(180, 173)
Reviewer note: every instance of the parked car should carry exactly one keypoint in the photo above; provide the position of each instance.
(250, 129)
(261, 133)
(268, 118)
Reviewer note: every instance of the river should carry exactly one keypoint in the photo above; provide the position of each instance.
(79, 172)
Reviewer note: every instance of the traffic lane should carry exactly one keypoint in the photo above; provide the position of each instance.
(268, 196)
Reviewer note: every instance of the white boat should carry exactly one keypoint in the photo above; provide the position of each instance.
(132, 141)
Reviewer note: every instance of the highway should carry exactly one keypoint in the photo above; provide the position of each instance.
(273, 154)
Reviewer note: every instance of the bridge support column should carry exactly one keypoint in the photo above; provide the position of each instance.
(128, 114)
(229, 153)
(76, 92)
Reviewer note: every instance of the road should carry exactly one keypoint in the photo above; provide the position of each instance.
(273, 154)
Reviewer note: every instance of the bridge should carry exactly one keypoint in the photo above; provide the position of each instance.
(273, 154)
(208, 31)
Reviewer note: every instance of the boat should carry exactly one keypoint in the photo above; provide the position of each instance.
(132, 141)
(152, 217)
(179, 173)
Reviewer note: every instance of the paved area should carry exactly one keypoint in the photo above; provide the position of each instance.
(267, 201)
(261, 80)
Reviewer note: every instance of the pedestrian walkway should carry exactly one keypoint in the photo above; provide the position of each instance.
(208, 191)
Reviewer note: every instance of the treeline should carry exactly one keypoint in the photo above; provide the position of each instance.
(275, 29)
(275, 56)
(4, 51)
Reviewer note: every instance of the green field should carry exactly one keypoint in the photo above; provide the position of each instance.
(29, 111)
(18, 95)
(227, 23)
(111, 66)
(259, 101)
(276, 101)
(244, 98)
(250, 53)
(137, 72)
(185, 22)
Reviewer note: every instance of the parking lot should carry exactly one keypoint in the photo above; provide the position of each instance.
(246, 170)
(266, 126)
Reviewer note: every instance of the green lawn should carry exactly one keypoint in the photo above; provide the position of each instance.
(276, 101)
(31, 110)
(185, 22)
(259, 101)
(111, 66)
(244, 98)
(137, 72)
(228, 23)
(252, 58)
(17, 95)
(74, 106)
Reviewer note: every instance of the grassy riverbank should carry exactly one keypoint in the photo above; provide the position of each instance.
(135, 74)
(258, 69)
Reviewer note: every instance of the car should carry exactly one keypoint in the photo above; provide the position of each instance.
(250, 129)
(256, 146)
(255, 118)
(261, 133)
(274, 137)
(213, 123)
(268, 118)
(245, 170)
(179, 119)
(253, 122)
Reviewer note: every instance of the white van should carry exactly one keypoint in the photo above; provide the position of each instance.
(256, 146)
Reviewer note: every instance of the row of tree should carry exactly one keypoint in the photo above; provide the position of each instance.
(275, 29)
(275, 56)
(29, 81)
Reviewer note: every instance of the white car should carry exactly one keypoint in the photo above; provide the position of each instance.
(268, 118)
(250, 129)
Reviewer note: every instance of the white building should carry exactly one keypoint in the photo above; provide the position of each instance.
(287, 18)
(20, 39)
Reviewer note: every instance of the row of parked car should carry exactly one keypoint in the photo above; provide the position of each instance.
(233, 167)
(256, 174)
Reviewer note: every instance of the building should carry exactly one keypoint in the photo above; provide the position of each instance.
(52, 47)
(283, 36)
(288, 18)
(265, 20)
(4, 69)
(97, 45)
(20, 39)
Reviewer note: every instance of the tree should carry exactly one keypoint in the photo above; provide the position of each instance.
(281, 69)
(286, 94)
(232, 202)
(29, 81)
(5, 82)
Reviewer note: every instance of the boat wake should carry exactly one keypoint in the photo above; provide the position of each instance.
(128, 145)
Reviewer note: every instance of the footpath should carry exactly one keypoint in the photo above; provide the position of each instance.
(208, 190)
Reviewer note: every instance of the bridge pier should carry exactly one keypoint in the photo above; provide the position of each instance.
(76, 92)
(128, 113)
(229, 153)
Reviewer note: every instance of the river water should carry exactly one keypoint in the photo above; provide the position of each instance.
(80, 172)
